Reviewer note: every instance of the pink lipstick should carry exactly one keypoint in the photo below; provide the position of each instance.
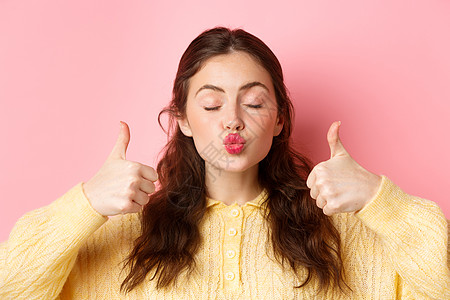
(234, 143)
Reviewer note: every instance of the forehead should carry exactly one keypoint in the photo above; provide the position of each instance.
(230, 71)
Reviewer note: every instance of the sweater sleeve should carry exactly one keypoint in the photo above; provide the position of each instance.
(43, 245)
(415, 234)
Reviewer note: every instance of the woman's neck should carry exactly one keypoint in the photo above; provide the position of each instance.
(231, 187)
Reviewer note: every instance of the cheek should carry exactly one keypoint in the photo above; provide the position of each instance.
(197, 122)
(262, 126)
(204, 136)
(266, 142)
(261, 122)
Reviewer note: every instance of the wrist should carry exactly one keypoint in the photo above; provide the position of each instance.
(374, 183)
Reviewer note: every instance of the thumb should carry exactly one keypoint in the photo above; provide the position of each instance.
(120, 148)
(336, 147)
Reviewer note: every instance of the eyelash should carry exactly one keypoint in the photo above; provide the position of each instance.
(254, 106)
(248, 105)
(211, 108)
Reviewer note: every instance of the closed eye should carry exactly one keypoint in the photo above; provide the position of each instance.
(254, 105)
(211, 108)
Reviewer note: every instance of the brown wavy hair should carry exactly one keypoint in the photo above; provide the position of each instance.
(300, 233)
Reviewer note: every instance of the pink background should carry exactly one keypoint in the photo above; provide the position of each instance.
(70, 70)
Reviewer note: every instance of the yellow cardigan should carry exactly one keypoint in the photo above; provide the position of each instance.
(394, 248)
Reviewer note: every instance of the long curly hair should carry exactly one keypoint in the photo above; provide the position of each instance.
(300, 233)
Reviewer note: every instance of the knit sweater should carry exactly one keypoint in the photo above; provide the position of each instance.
(394, 248)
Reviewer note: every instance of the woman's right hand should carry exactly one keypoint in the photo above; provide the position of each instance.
(120, 186)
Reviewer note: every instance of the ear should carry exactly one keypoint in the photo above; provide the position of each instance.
(185, 127)
(278, 126)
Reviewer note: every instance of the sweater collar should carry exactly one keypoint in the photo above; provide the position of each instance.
(256, 202)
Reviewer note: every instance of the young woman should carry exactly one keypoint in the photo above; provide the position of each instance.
(238, 213)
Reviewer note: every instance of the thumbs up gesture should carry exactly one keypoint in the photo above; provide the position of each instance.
(120, 186)
(340, 184)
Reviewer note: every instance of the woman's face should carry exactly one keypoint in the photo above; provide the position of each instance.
(231, 112)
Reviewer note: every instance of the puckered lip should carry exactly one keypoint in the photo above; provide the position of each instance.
(233, 138)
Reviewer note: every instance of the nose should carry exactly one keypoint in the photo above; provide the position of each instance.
(234, 125)
(232, 121)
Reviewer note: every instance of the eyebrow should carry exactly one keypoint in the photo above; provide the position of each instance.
(244, 87)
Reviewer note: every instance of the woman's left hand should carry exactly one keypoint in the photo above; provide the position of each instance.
(340, 184)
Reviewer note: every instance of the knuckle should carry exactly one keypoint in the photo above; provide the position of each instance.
(328, 212)
(135, 180)
(124, 207)
(325, 183)
(321, 181)
(319, 204)
(130, 194)
(321, 168)
(134, 166)
(327, 191)
(333, 205)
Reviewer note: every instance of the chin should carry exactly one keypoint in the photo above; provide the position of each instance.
(234, 166)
